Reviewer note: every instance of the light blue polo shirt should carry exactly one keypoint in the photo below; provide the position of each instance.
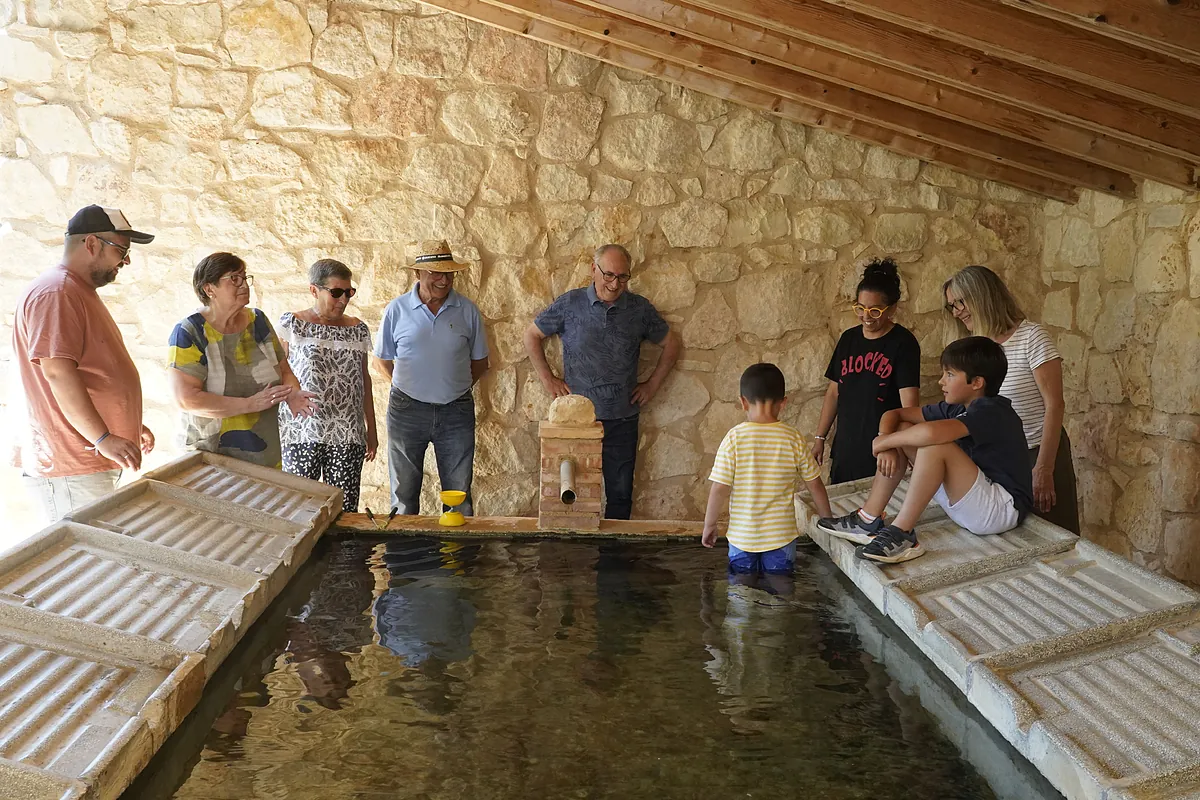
(431, 355)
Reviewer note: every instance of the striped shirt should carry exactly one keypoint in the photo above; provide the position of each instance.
(762, 462)
(1028, 348)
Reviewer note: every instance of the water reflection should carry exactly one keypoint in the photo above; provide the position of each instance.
(420, 668)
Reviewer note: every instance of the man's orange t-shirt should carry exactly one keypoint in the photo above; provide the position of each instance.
(61, 316)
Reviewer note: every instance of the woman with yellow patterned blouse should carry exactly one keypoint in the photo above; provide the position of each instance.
(228, 371)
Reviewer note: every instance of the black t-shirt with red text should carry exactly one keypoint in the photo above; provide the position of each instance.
(870, 374)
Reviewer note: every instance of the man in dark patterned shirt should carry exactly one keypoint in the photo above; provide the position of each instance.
(602, 328)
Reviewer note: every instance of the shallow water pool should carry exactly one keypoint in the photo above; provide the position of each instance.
(423, 668)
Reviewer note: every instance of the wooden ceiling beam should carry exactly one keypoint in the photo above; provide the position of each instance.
(947, 62)
(1048, 45)
(755, 41)
(610, 52)
(1171, 28)
(802, 88)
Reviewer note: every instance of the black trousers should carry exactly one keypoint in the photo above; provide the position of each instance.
(618, 458)
(1065, 513)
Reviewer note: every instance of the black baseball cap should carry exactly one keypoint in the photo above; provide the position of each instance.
(95, 219)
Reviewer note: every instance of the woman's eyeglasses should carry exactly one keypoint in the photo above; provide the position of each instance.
(955, 305)
(239, 279)
(874, 312)
(336, 294)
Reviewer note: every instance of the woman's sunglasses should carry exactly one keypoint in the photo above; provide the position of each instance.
(874, 312)
(336, 294)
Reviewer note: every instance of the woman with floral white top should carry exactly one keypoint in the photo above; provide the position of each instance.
(328, 353)
(981, 304)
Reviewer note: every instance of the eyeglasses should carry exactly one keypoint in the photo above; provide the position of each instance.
(955, 305)
(123, 249)
(239, 279)
(336, 294)
(622, 279)
(874, 312)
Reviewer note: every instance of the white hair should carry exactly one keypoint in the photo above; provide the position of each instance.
(604, 248)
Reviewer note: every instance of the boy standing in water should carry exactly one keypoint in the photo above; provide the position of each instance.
(967, 453)
(755, 476)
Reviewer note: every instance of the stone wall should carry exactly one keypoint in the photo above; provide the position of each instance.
(1122, 287)
(285, 131)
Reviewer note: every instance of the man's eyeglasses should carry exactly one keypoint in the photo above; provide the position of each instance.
(336, 294)
(622, 279)
(239, 280)
(123, 249)
(874, 312)
(955, 305)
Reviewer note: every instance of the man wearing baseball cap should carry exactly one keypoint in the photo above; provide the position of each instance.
(82, 390)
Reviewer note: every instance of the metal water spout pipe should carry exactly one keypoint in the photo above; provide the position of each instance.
(566, 481)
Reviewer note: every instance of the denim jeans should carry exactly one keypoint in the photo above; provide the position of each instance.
(412, 426)
(618, 457)
(780, 561)
(60, 496)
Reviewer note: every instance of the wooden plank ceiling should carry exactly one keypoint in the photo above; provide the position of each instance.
(1046, 95)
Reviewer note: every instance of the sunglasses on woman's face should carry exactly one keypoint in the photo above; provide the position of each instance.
(336, 294)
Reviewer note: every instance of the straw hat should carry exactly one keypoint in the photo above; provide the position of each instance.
(435, 256)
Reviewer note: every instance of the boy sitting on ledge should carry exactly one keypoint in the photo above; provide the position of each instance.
(967, 452)
(755, 476)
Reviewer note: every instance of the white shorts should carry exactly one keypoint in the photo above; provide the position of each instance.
(986, 508)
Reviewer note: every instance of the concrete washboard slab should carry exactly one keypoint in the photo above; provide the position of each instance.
(989, 608)
(85, 707)
(1088, 664)
(1110, 712)
(126, 584)
(950, 550)
(251, 486)
(113, 619)
(202, 525)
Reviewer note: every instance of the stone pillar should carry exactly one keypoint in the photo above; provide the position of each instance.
(570, 433)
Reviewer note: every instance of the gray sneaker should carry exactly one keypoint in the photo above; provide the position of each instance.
(891, 546)
(852, 527)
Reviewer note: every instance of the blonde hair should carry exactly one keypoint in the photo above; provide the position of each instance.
(993, 308)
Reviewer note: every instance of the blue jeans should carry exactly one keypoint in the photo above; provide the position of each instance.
(412, 426)
(618, 457)
(780, 561)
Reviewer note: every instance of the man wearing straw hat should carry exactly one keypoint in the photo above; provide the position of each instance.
(433, 349)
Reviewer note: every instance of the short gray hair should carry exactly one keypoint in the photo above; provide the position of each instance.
(326, 268)
(72, 240)
(604, 248)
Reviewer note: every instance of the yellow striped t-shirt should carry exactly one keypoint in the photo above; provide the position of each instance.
(762, 462)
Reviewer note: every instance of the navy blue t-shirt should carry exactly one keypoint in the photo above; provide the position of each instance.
(995, 441)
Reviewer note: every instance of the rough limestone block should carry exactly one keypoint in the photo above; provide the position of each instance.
(572, 409)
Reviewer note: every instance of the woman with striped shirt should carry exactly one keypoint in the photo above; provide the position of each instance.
(981, 304)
